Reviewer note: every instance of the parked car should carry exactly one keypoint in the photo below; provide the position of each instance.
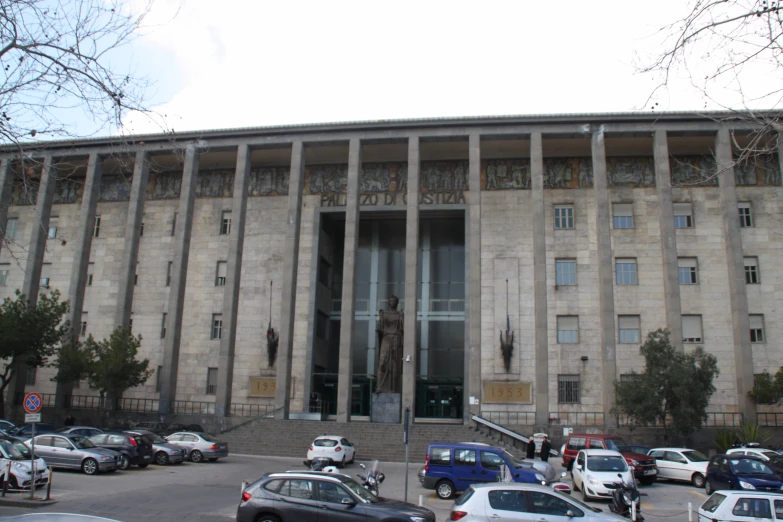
(25, 431)
(545, 468)
(451, 467)
(135, 449)
(489, 502)
(596, 472)
(773, 459)
(84, 431)
(740, 472)
(639, 448)
(176, 428)
(21, 472)
(643, 466)
(6, 425)
(199, 446)
(76, 452)
(742, 506)
(336, 448)
(163, 452)
(307, 495)
(155, 427)
(681, 464)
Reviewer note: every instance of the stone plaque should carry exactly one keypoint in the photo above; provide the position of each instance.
(507, 393)
(262, 387)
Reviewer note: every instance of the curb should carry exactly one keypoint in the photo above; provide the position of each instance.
(25, 502)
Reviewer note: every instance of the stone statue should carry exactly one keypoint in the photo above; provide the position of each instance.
(390, 331)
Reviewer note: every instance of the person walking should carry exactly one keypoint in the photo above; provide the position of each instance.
(545, 447)
(531, 449)
(69, 420)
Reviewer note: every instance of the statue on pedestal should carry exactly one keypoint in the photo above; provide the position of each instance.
(390, 334)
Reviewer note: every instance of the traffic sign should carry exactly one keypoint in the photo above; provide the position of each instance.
(32, 402)
(32, 417)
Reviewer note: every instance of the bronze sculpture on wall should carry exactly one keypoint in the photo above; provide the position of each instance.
(390, 334)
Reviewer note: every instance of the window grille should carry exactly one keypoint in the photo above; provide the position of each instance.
(568, 389)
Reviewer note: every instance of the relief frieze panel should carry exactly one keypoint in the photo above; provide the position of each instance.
(326, 179)
(25, 192)
(758, 171)
(269, 181)
(115, 188)
(509, 174)
(164, 185)
(631, 172)
(693, 171)
(215, 183)
(568, 173)
(440, 176)
(68, 190)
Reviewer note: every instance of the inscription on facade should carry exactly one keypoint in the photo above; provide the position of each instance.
(261, 387)
(507, 392)
(444, 197)
(632, 172)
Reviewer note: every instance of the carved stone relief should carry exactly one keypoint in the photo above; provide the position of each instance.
(217, 183)
(696, 171)
(630, 172)
(513, 174)
(377, 177)
(758, 171)
(269, 181)
(164, 185)
(68, 190)
(437, 176)
(116, 188)
(325, 179)
(25, 192)
(568, 173)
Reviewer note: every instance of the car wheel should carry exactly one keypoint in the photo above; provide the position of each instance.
(124, 463)
(341, 464)
(647, 481)
(353, 457)
(444, 489)
(708, 487)
(142, 466)
(196, 456)
(161, 458)
(698, 480)
(266, 518)
(12, 483)
(90, 466)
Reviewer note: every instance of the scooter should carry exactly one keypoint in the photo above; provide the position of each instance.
(372, 478)
(623, 497)
(321, 464)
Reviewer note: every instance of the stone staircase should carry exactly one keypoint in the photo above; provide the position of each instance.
(291, 438)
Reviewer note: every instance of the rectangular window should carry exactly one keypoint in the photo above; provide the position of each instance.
(691, 329)
(564, 217)
(756, 328)
(31, 372)
(168, 274)
(211, 381)
(622, 215)
(322, 326)
(687, 270)
(4, 275)
(567, 329)
(629, 326)
(130, 323)
(159, 379)
(221, 274)
(565, 272)
(174, 224)
(141, 229)
(136, 275)
(83, 325)
(568, 389)
(225, 223)
(52, 228)
(90, 272)
(683, 215)
(745, 216)
(752, 275)
(163, 326)
(626, 271)
(96, 229)
(46, 275)
(217, 326)
(11, 226)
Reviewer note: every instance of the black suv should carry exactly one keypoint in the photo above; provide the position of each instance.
(136, 450)
(309, 496)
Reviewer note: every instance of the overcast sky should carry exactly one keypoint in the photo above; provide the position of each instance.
(242, 63)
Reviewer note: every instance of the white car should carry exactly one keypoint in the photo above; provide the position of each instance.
(514, 501)
(742, 506)
(334, 447)
(763, 454)
(681, 464)
(596, 471)
(21, 465)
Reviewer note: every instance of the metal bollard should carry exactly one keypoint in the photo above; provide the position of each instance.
(421, 500)
(690, 511)
(5, 477)
(49, 485)
(633, 511)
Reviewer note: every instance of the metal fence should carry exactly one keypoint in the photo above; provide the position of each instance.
(576, 418)
(138, 405)
(511, 418)
(193, 408)
(251, 410)
(722, 419)
(770, 420)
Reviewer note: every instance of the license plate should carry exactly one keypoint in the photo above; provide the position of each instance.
(650, 472)
(147, 456)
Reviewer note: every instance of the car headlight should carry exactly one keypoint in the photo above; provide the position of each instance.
(105, 459)
(634, 462)
(540, 477)
(594, 481)
(21, 468)
(746, 485)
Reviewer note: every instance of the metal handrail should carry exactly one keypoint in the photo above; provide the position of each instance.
(267, 415)
(506, 431)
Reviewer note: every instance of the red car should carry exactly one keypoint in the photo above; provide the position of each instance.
(643, 467)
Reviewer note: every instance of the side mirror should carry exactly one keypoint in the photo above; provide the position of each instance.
(620, 475)
(348, 502)
(578, 467)
(569, 514)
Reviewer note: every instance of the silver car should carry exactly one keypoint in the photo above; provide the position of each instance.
(84, 431)
(199, 445)
(75, 452)
(163, 451)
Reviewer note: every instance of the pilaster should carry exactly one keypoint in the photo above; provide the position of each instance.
(6, 190)
(473, 299)
(411, 276)
(541, 333)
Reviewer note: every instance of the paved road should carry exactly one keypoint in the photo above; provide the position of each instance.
(210, 491)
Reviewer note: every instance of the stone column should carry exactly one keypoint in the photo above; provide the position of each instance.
(81, 259)
(540, 286)
(225, 377)
(130, 253)
(179, 274)
(671, 280)
(345, 368)
(411, 276)
(605, 279)
(473, 298)
(6, 190)
(738, 298)
(288, 303)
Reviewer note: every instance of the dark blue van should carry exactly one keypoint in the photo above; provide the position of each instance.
(735, 471)
(453, 467)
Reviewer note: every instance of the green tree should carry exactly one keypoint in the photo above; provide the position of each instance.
(674, 389)
(30, 334)
(767, 388)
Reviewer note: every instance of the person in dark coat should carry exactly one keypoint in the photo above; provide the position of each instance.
(545, 447)
(69, 420)
(531, 449)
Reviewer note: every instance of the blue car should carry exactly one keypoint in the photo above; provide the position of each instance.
(740, 472)
(453, 467)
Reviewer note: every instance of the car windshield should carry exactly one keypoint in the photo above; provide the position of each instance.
(749, 467)
(325, 443)
(359, 491)
(511, 458)
(145, 425)
(82, 442)
(695, 456)
(22, 448)
(10, 450)
(617, 444)
(606, 463)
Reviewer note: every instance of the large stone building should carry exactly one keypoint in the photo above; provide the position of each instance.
(578, 233)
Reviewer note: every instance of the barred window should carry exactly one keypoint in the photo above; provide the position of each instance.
(629, 326)
(565, 272)
(567, 329)
(687, 270)
(622, 214)
(568, 389)
(217, 326)
(211, 381)
(564, 217)
(626, 271)
(745, 217)
(691, 329)
(683, 215)
(751, 270)
(757, 328)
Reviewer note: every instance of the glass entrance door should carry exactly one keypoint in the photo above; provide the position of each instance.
(439, 401)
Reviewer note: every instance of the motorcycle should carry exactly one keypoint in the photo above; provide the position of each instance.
(623, 497)
(321, 464)
(372, 478)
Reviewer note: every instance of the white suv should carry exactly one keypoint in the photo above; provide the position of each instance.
(742, 506)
